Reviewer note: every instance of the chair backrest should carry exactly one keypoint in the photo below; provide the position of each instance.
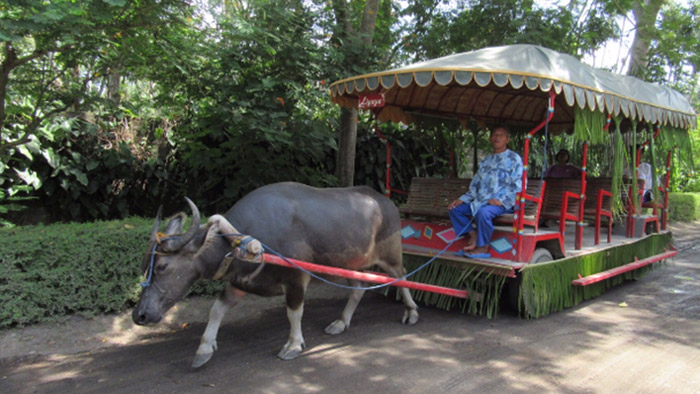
(593, 185)
(552, 201)
(433, 193)
(535, 188)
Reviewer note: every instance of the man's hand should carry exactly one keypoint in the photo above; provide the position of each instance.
(454, 203)
(495, 201)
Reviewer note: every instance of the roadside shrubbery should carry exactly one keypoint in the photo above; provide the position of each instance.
(683, 207)
(89, 268)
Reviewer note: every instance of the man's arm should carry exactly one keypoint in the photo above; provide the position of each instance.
(469, 196)
(473, 187)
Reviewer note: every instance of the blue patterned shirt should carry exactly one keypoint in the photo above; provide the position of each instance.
(499, 176)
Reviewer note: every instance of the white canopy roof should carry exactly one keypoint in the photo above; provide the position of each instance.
(510, 84)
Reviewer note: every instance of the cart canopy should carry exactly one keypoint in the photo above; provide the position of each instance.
(510, 84)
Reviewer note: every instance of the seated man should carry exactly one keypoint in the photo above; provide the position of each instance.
(563, 169)
(491, 193)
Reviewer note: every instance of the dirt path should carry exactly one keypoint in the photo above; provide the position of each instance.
(641, 337)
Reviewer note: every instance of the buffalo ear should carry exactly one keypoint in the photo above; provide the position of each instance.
(202, 239)
(174, 226)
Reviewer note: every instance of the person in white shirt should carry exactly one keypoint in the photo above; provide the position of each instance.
(644, 172)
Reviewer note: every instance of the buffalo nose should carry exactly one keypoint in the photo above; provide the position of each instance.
(138, 317)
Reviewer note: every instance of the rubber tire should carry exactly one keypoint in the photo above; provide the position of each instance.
(512, 287)
(541, 255)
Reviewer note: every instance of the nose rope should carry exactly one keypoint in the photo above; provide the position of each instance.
(160, 237)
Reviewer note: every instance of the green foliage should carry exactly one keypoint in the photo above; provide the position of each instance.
(47, 272)
(439, 31)
(414, 153)
(51, 271)
(674, 55)
(683, 207)
(262, 102)
(56, 58)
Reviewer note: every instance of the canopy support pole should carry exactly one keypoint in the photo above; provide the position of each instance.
(518, 224)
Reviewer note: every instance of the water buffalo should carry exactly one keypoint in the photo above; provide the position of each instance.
(352, 228)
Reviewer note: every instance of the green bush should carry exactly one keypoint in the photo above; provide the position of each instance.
(683, 207)
(51, 271)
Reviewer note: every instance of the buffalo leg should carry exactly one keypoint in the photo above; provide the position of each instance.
(228, 298)
(294, 296)
(343, 323)
(410, 315)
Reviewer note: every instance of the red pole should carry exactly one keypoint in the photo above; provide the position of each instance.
(582, 199)
(607, 123)
(520, 203)
(601, 276)
(518, 224)
(363, 276)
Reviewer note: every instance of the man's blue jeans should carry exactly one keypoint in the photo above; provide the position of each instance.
(462, 223)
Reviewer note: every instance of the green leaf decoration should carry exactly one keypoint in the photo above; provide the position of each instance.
(618, 165)
(588, 126)
(546, 287)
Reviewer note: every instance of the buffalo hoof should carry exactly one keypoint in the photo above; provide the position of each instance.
(410, 317)
(290, 352)
(201, 359)
(336, 327)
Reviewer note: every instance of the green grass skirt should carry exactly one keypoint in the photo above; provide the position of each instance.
(544, 288)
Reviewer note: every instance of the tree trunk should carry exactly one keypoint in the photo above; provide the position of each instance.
(347, 139)
(347, 135)
(114, 88)
(645, 13)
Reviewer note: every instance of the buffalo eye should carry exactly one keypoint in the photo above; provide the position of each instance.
(161, 268)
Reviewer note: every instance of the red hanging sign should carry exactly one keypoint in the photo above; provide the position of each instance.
(375, 100)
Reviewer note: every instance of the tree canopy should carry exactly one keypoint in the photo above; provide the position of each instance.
(109, 108)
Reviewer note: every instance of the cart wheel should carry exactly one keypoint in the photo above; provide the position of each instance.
(541, 255)
(512, 287)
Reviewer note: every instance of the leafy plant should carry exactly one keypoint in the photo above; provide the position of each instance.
(47, 272)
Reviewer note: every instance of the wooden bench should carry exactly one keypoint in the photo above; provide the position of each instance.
(534, 196)
(562, 202)
(430, 197)
(597, 204)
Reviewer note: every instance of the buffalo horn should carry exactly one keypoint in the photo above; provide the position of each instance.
(177, 243)
(156, 226)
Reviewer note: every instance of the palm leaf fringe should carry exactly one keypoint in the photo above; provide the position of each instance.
(672, 137)
(546, 287)
(588, 126)
(617, 170)
(483, 284)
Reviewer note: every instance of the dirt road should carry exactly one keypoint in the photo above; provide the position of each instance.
(641, 337)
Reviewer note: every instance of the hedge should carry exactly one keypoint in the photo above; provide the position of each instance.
(78, 268)
(683, 207)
